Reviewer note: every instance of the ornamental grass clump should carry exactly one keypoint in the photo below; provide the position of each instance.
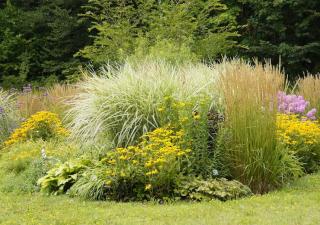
(119, 105)
(42, 125)
(54, 99)
(251, 148)
(8, 115)
(309, 87)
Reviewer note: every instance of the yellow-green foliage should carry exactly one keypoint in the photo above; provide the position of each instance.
(30, 150)
(293, 130)
(22, 164)
(42, 125)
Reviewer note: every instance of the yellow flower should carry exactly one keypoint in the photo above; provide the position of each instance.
(112, 161)
(148, 164)
(196, 117)
(36, 122)
(292, 130)
(123, 157)
(153, 172)
(148, 187)
(181, 104)
(122, 174)
(183, 119)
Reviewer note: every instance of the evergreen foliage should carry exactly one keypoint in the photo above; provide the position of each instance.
(286, 32)
(38, 40)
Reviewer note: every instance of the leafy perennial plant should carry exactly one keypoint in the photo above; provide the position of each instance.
(149, 169)
(43, 125)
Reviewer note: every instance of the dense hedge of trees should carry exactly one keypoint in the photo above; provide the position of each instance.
(38, 40)
(48, 40)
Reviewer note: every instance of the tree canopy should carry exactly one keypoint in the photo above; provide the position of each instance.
(48, 40)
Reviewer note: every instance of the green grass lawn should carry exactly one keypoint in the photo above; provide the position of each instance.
(297, 204)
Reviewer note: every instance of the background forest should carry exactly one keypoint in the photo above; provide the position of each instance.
(45, 41)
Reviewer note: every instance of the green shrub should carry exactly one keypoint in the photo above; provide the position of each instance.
(204, 190)
(179, 52)
(148, 170)
(309, 157)
(22, 176)
(192, 116)
(91, 184)
(56, 149)
(185, 30)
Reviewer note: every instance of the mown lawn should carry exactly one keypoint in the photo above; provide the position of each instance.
(297, 204)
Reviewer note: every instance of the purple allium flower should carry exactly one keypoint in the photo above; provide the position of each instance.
(1, 110)
(291, 103)
(311, 114)
(294, 104)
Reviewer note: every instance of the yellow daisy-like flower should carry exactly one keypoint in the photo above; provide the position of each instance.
(196, 117)
(293, 130)
(148, 187)
(45, 122)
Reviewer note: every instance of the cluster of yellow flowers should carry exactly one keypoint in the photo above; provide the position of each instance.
(40, 125)
(293, 130)
(158, 152)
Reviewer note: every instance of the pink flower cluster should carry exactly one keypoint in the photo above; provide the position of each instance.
(295, 104)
